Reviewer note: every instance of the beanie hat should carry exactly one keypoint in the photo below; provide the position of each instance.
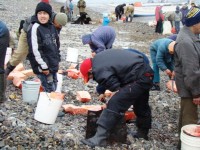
(86, 39)
(61, 19)
(192, 17)
(42, 6)
(45, 1)
(85, 67)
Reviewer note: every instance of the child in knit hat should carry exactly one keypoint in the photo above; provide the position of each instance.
(43, 42)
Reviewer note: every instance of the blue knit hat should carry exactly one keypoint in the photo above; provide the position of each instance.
(86, 39)
(192, 17)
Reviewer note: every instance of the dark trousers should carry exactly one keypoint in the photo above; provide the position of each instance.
(136, 94)
(159, 27)
(4, 43)
(49, 82)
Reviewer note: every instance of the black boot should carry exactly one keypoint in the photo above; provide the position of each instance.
(106, 122)
(119, 132)
(9, 68)
(143, 125)
(155, 87)
(2, 88)
(141, 133)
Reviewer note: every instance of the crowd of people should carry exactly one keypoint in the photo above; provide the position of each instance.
(128, 73)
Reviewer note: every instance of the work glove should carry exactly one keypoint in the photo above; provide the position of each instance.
(9, 68)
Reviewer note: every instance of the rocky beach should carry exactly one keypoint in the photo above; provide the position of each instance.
(19, 130)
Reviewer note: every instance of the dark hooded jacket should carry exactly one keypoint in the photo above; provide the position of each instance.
(44, 46)
(120, 9)
(116, 68)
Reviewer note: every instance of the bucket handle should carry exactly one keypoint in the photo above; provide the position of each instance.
(48, 96)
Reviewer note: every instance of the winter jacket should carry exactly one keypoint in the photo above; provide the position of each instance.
(177, 16)
(187, 64)
(102, 38)
(120, 9)
(81, 5)
(116, 68)
(3, 29)
(44, 46)
(158, 13)
(106, 21)
(161, 53)
(129, 10)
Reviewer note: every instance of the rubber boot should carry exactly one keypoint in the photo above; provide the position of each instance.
(143, 125)
(2, 88)
(155, 87)
(106, 122)
(141, 133)
(119, 132)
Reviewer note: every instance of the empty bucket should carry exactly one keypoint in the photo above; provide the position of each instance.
(48, 107)
(30, 91)
(189, 142)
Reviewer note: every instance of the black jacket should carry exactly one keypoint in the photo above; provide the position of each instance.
(120, 9)
(44, 46)
(114, 69)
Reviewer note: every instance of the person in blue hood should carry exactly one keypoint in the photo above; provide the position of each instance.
(101, 39)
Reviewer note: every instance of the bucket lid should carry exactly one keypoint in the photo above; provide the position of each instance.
(30, 82)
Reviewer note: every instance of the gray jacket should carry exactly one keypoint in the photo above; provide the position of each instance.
(187, 64)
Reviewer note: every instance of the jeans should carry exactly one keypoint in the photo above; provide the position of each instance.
(177, 26)
(49, 82)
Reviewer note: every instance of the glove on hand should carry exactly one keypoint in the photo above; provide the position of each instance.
(9, 68)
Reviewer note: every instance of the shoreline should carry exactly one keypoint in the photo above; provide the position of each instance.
(20, 130)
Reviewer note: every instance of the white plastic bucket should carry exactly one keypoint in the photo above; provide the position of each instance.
(8, 55)
(47, 109)
(167, 27)
(59, 83)
(30, 91)
(189, 142)
(72, 55)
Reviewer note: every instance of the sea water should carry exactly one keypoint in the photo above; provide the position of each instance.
(108, 6)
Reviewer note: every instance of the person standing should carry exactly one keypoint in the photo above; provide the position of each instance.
(71, 10)
(106, 20)
(81, 6)
(43, 43)
(187, 68)
(101, 39)
(159, 19)
(177, 19)
(161, 52)
(20, 54)
(119, 10)
(4, 43)
(131, 78)
(184, 10)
